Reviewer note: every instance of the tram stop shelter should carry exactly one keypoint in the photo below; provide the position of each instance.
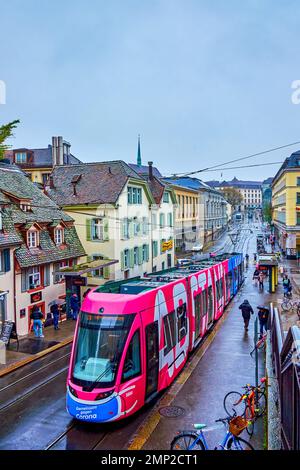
(268, 264)
(76, 276)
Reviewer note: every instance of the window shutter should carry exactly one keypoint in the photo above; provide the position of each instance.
(105, 230)
(47, 275)
(140, 255)
(106, 271)
(131, 254)
(122, 261)
(147, 252)
(88, 229)
(24, 280)
(131, 229)
(6, 259)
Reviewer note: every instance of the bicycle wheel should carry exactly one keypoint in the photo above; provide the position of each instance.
(185, 440)
(250, 418)
(238, 443)
(261, 404)
(234, 404)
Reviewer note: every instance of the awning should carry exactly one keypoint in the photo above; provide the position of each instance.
(84, 268)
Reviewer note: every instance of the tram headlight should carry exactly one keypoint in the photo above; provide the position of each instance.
(73, 391)
(103, 395)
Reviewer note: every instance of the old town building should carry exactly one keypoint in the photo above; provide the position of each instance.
(36, 240)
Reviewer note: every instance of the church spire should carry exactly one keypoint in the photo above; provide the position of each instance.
(139, 158)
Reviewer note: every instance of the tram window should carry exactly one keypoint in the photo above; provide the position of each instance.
(198, 301)
(204, 302)
(169, 332)
(229, 280)
(182, 321)
(210, 302)
(219, 285)
(132, 364)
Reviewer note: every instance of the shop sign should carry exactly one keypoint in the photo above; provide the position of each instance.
(36, 297)
(167, 246)
(79, 281)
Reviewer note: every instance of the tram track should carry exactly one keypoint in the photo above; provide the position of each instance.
(26, 382)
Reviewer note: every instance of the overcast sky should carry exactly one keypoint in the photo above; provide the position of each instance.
(203, 82)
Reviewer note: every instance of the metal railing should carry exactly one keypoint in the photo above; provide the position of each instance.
(286, 362)
(290, 390)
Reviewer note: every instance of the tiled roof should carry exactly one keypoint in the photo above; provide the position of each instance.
(43, 211)
(100, 183)
(41, 158)
(48, 252)
(187, 182)
(144, 170)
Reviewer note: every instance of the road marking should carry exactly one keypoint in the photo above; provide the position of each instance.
(149, 425)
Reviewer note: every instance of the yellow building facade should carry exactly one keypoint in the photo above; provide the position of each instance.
(286, 205)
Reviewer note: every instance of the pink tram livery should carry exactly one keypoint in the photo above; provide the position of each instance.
(133, 337)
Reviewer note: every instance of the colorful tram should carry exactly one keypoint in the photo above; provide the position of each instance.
(133, 337)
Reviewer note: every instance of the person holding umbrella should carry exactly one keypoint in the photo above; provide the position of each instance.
(263, 317)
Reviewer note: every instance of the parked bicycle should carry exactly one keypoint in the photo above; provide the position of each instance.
(260, 344)
(195, 439)
(288, 304)
(250, 405)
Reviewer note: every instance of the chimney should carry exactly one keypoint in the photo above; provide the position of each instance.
(54, 151)
(150, 170)
(60, 151)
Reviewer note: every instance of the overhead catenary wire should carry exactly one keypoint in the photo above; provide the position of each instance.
(220, 165)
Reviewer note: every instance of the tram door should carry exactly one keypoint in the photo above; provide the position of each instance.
(152, 358)
(210, 306)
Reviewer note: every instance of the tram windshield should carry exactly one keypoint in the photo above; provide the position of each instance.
(99, 345)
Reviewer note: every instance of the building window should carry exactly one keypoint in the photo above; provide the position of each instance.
(145, 253)
(161, 220)
(21, 157)
(166, 197)
(136, 256)
(59, 236)
(126, 259)
(154, 248)
(5, 261)
(298, 218)
(134, 195)
(97, 272)
(169, 322)
(298, 181)
(32, 239)
(34, 277)
(298, 198)
(97, 229)
(45, 177)
(170, 220)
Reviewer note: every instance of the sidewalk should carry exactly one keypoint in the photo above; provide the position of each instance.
(226, 365)
(31, 347)
(293, 270)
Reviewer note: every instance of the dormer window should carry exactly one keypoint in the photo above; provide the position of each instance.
(21, 157)
(59, 236)
(32, 238)
(25, 207)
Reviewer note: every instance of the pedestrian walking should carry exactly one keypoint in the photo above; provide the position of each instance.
(287, 286)
(36, 316)
(263, 317)
(247, 260)
(255, 276)
(74, 303)
(261, 278)
(247, 311)
(55, 313)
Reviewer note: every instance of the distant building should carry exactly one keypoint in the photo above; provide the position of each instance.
(286, 205)
(211, 214)
(251, 192)
(40, 162)
(36, 240)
